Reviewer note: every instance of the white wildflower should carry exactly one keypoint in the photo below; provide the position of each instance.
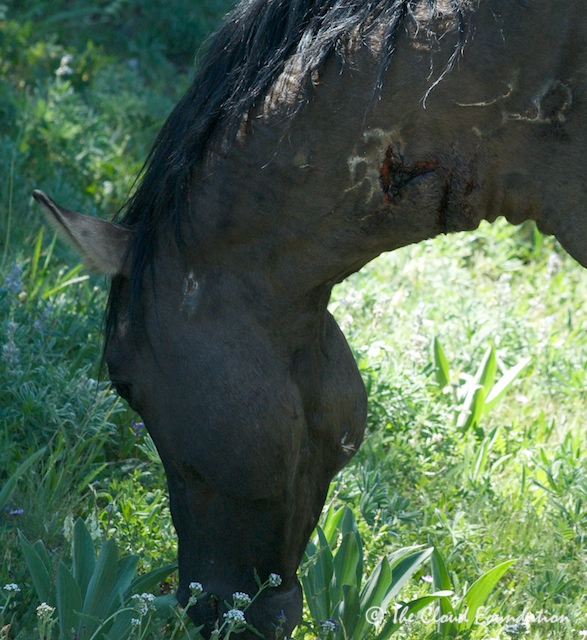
(94, 528)
(12, 587)
(135, 622)
(45, 611)
(274, 580)
(144, 603)
(68, 528)
(64, 68)
(241, 599)
(196, 588)
(235, 615)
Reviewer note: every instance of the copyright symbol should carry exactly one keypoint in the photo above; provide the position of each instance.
(374, 615)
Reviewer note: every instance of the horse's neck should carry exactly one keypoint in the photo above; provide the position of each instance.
(314, 198)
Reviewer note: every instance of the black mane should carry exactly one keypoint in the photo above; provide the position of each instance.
(243, 61)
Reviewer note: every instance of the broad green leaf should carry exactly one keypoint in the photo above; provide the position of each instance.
(485, 375)
(349, 611)
(127, 568)
(348, 523)
(404, 613)
(39, 574)
(504, 383)
(122, 627)
(165, 604)
(331, 527)
(39, 547)
(316, 577)
(481, 459)
(404, 570)
(472, 408)
(373, 594)
(441, 368)
(440, 575)
(377, 585)
(69, 601)
(37, 568)
(442, 582)
(481, 588)
(483, 454)
(98, 595)
(399, 554)
(84, 560)
(345, 566)
(149, 581)
(478, 388)
(10, 486)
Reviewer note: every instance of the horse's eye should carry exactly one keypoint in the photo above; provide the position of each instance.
(124, 390)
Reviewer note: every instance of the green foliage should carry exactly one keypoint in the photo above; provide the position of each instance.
(455, 620)
(125, 26)
(480, 393)
(342, 603)
(8, 489)
(92, 596)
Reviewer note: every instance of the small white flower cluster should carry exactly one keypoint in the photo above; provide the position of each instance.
(274, 580)
(135, 622)
(235, 616)
(12, 587)
(45, 611)
(196, 588)
(64, 68)
(94, 528)
(144, 603)
(241, 599)
(68, 528)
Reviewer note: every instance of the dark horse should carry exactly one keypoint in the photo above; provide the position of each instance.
(317, 134)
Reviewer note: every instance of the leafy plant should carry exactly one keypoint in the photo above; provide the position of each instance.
(343, 603)
(480, 393)
(9, 487)
(93, 595)
(456, 619)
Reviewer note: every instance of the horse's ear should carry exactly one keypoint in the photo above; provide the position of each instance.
(102, 245)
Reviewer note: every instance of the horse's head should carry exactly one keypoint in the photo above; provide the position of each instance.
(240, 391)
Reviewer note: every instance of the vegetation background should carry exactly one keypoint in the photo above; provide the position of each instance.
(472, 348)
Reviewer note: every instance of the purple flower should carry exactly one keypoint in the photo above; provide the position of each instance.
(328, 626)
(12, 280)
(281, 618)
(138, 428)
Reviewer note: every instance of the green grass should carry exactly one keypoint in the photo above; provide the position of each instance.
(80, 102)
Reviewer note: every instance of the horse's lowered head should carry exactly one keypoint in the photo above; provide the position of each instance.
(240, 391)
(302, 150)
